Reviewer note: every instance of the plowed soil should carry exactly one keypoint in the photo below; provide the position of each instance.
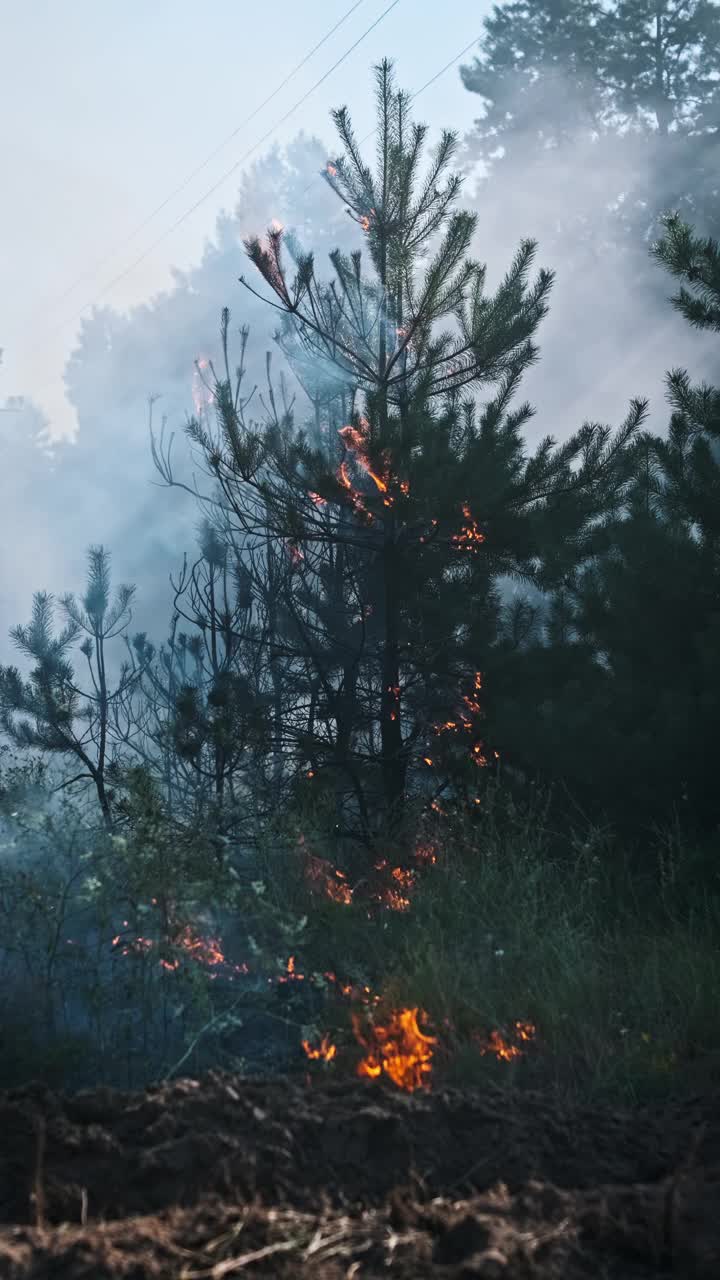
(229, 1176)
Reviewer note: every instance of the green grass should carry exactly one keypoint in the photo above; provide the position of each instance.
(615, 960)
(612, 953)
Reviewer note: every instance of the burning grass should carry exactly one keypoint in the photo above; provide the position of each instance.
(397, 1049)
(479, 950)
(530, 961)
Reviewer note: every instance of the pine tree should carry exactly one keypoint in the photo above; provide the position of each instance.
(413, 498)
(198, 716)
(47, 711)
(631, 685)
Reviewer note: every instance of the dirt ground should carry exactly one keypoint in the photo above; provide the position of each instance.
(353, 1181)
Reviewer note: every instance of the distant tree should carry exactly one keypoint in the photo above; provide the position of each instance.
(539, 73)
(662, 61)
(635, 82)
(49, 712)
(629, 687)
(200, 712)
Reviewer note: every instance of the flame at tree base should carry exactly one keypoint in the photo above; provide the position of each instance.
(398, 1049)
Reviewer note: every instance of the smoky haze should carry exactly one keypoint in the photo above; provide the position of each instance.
(610, 335)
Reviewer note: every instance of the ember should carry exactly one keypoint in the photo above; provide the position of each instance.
(393, 900)
(205, 951)
(427, 853)
(399, 1050)
(360, 993)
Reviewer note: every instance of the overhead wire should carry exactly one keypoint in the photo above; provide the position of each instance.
(204, 163)
(211, 190)
(416, 94)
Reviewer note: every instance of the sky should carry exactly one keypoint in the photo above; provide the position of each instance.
(107, 107)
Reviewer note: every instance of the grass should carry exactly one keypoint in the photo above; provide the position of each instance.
(615, 960)
(612, 954)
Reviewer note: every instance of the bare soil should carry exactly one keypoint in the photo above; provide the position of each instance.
(229, 1176)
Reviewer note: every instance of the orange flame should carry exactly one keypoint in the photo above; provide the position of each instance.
(207, 950)
(324, 1052)
(504, 1049)
(399, 1050)
(465, 721)
(403, 877)
(470, 536)
(355, 438)
(324, 877)
(390, 896)
(291, 974)
(393, 900)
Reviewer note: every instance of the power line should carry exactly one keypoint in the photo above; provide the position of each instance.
(416, 94)
(203, 165)
(211, 190)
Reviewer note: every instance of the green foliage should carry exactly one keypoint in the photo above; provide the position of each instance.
(97, 981)
(50, 712)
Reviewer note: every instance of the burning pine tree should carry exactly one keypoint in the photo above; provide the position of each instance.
(401, 502)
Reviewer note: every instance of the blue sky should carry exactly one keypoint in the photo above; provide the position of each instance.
(107, 105)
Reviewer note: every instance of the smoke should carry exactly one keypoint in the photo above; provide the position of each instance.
(102, 487)
(610, 335)
(592, 204)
